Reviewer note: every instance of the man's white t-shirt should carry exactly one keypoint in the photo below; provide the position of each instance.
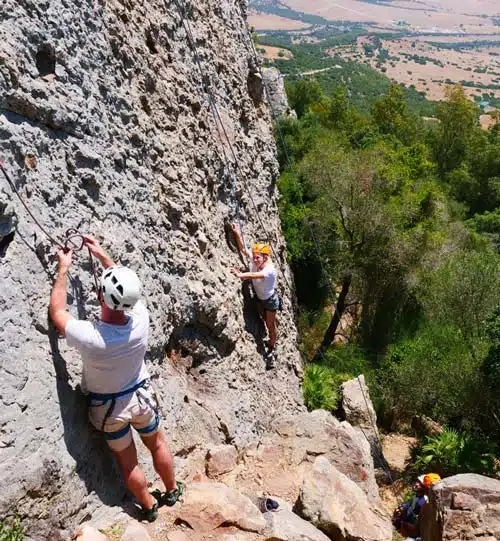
(264, 287)
(113, 355)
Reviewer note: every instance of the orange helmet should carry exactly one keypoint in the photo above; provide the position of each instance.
(264, 249)
(429, 479)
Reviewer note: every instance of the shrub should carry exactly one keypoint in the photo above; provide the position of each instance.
(11, 530)
(321, 387)
(452, 452)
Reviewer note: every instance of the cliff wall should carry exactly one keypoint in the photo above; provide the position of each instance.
(105, 127)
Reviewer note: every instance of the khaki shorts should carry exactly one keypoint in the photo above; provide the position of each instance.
(115, 417)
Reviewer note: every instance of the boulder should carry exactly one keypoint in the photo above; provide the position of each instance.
(319, 433)
(135, 532)
(465, 506)
(287, 526)
(208, 505)
(359, 411)
(221, 459)
(339, 507)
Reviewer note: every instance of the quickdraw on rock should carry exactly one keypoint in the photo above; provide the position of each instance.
(74, 239)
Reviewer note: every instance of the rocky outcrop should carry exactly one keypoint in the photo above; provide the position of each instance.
(105, 127)
(338, 506)
(319, 433)
(465, 506)
(221, 459)
(275, 86)
(358, 410)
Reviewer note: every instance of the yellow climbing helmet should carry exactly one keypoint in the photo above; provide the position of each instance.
(261, 248)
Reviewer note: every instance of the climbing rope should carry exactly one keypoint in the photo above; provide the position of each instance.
(377, 448)
(218, 121)
(74, 239)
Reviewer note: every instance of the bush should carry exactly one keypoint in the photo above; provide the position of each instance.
(321, 387)
(11, 530)
(452, 452)
(414, 377)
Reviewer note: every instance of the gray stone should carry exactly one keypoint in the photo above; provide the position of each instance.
(287, 526)
(319, 433)
(464, 506)
(339, 507)
(275, 85)
(127, 149)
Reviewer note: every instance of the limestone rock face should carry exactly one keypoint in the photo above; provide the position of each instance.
(208, 505)
(465, 506)
(105, 127)
(338, 507)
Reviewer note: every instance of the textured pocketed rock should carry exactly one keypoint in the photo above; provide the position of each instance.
(339, 507)
(107, 100)
(465, 506)
(208, 505)
(287, 526)
(221, 459)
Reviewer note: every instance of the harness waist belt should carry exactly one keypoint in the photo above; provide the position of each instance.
(110, 396)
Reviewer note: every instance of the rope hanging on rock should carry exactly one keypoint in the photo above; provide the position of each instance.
(218, 120)
(74, 239)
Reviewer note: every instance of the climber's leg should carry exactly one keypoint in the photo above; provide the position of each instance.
(163, 460)
(134, 476)
(270, 319)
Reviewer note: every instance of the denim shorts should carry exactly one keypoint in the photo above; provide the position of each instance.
(272, 304)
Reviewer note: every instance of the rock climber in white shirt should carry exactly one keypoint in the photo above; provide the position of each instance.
(114, 375)
(263, 276)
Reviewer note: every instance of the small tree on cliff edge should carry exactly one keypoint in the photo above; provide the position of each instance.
(373, 224)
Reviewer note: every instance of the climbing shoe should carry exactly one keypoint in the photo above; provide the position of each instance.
(270, 360)
(149, 514)
(170, 498)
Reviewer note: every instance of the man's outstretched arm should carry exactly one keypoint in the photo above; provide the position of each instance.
(58, 298)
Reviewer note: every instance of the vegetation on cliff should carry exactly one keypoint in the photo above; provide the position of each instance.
(405, 220)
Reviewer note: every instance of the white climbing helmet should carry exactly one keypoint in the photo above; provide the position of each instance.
(121, 288)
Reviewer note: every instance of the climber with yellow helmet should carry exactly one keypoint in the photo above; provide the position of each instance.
(263, 276)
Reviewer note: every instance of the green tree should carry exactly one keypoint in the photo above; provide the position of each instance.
(463, 291)
(459, 119)
(302, 94)
(372, 224)
(392, 116)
